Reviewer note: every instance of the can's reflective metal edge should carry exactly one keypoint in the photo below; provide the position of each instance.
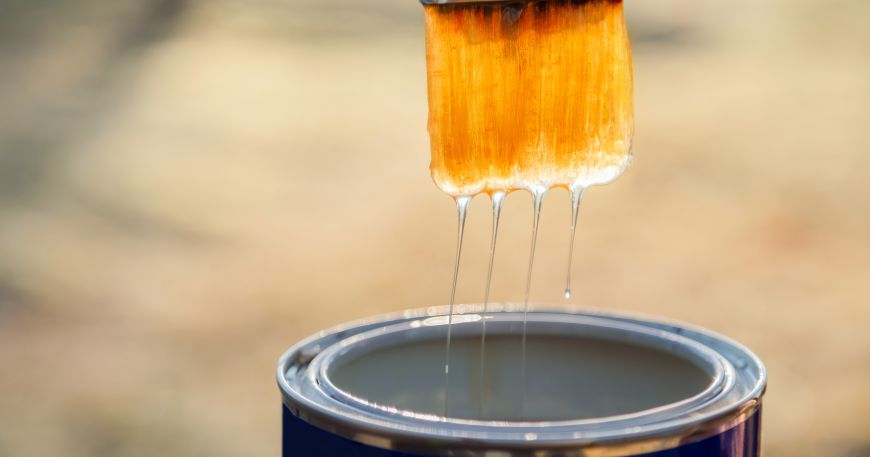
(723, 422)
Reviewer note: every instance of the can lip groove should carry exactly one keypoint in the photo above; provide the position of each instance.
(732, 396)
(721, 373)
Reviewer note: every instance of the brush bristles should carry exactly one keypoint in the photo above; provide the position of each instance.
(528, 94)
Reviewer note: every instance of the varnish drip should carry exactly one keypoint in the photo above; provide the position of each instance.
(497, 199)
(537, 199)
(576, 195)
(528, 94)
(462, 211)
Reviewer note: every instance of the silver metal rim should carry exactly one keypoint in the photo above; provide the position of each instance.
(722, 375)
(396, 430)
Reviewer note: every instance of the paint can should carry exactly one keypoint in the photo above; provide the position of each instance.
(596, 384)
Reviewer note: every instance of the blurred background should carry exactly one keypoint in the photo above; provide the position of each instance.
(188, 187)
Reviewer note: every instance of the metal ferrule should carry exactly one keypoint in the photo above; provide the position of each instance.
(452, 2)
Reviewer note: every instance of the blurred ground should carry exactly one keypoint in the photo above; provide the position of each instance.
(188, 187)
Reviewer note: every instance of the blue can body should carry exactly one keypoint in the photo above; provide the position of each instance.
(301, 439)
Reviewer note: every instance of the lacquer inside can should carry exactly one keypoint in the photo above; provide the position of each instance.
(595, 384)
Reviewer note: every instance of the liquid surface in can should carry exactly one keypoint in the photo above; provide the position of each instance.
(575, 378)
(528, 94)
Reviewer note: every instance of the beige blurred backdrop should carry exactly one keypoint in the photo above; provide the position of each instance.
(187, 187)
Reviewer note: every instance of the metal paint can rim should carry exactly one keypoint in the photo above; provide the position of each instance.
(720, 371)
(438, 437)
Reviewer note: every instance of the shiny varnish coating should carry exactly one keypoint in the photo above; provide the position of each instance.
(528, 94)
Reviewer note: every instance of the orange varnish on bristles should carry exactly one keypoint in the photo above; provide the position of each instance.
(528, 95)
